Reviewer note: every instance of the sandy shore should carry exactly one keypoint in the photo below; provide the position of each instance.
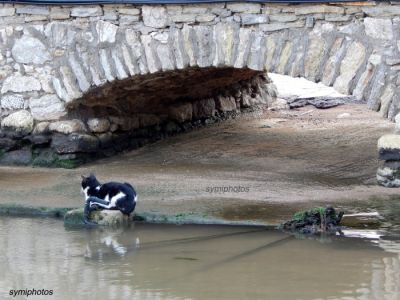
(259, 167)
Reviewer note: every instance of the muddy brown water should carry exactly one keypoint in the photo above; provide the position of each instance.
(148, 261)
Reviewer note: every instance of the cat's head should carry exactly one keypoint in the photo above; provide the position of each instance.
(89, 181)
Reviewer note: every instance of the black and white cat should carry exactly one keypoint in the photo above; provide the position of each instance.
(110, 195)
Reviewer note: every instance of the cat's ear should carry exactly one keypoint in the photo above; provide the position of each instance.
(83, 177)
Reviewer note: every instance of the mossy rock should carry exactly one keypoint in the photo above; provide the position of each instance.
(112, 218)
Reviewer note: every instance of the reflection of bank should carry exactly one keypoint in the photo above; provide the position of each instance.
(385, 271)
(385, 281)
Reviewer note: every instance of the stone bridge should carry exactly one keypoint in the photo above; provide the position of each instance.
(77, 82)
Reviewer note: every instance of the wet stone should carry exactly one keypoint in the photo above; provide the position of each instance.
(388, 175)
(74, 143)
(101, 217)
(17, 157)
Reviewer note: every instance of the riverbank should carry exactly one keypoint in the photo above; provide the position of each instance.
(260, 168)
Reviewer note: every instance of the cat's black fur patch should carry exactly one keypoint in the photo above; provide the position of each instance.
(100, 196)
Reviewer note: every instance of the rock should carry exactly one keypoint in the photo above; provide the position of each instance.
(48, 107)
(30, 50)
(33, 10)
(106, 31)
(45, 158)
(86, 11)
(204, 108)
(17, 157)
(225, 103)
(12, 102)
(318, 9)
(38, 139)
(278, 104)
(59, 13)
(68, 126)
(42, 127)
(20, 121)
(379, 28)
(181, 113)
(74, 143)
(280, 26)
(313, 58)
(362, 220)
(283, 18)
(106, 139)
(315, 221)
(397, 120)
(343, 116)
(98, 125)
(19, 83)
(244, 7)
(318, 102)
(351, 62)
(129, 11)
(148, 120)
(389, 147)
(389, 174)
(102, 217)
(7, 11)
(7, 144)
(251, 19)
(155, 16)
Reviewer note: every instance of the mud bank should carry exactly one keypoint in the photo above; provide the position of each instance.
(261, 167)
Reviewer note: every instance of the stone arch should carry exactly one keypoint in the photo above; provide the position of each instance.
(69, 65)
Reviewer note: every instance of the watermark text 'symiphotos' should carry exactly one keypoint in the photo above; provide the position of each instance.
(30, 292)
(227, 189)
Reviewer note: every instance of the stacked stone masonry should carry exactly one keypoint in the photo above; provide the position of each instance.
(75, 80)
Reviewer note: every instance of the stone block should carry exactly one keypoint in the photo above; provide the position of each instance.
(59, 13)
(19, 83)
(349, 66)
(67, 126)
(184, 18)
(379, 28)
(148, 120)
(86, 11)
(282, 18)
(181, 113)
(382, 11)
(129, 11)
(204, 108)
(205, 18)
(17, 157)
(252, 19)
(20, 121)
(254, 8)
(389, 147)
(29, 50)
(7, 11)
(318, 9)
(106, 31)
(48, 107)
(281, 26)
(155, 16)
(113, 218)
(33, 10)
(74, 143)
(225, 103)
(98, 125)
(12, 102)
(388, 175)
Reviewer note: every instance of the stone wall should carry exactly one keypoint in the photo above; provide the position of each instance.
(98, 79)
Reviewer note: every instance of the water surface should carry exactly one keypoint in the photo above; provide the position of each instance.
(148, 261)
